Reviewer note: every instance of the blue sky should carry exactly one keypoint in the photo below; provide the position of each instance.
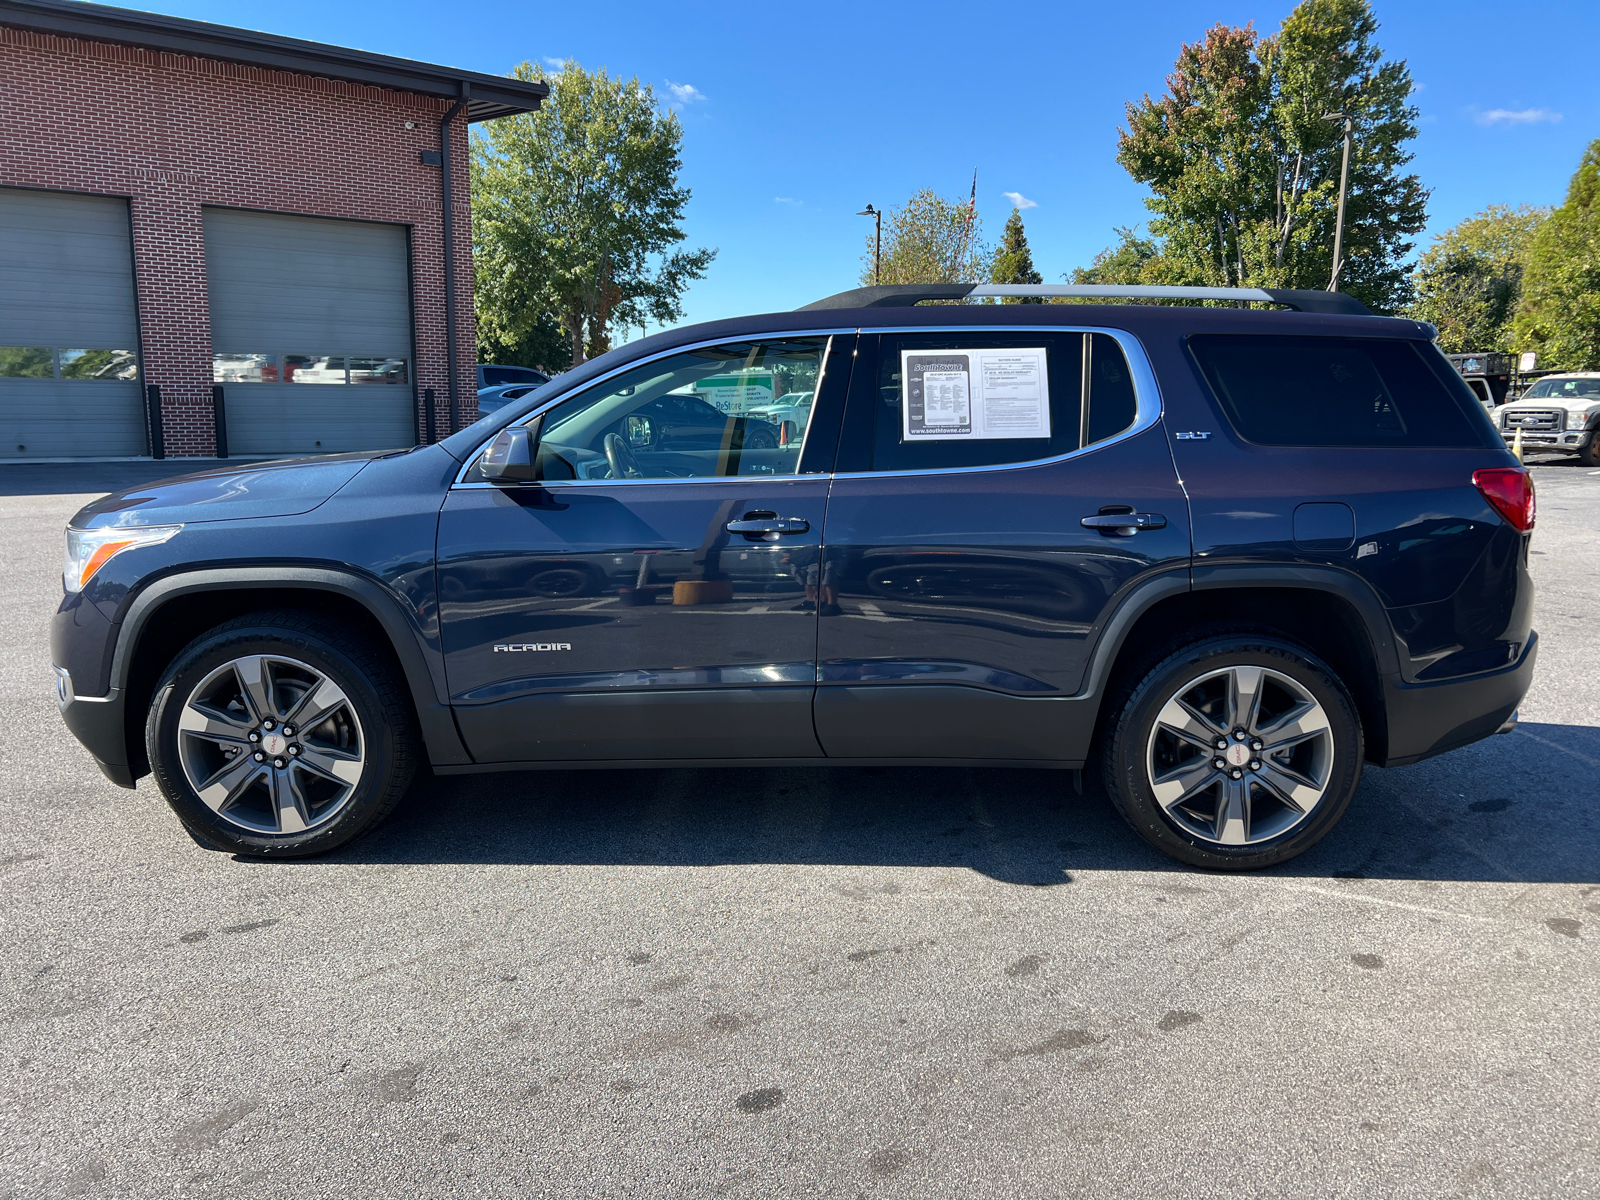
(798, 115)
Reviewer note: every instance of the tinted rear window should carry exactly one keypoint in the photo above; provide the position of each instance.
(1333, 391)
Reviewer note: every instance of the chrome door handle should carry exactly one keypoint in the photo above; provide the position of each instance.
(774, 525)
(1123, 524)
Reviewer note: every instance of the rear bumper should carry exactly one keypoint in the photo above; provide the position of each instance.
(1426, 719)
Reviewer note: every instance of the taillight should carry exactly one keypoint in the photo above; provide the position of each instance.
(1510, 491)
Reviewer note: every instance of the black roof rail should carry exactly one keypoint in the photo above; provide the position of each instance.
(908, 294)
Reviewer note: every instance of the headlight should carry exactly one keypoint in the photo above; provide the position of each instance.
(1577, 420)
(90, 549)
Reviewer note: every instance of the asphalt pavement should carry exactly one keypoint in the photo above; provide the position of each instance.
(829, 982)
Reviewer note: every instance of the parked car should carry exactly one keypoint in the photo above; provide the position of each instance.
(492, 399)
(1070, 537)
(493, 375)
(1559, 413)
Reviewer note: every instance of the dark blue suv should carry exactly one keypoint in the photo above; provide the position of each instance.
(1222, 558)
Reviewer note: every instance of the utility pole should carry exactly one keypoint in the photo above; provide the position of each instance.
(877, 243)
(1344, 188)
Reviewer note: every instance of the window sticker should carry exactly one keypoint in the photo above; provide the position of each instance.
(974, 395)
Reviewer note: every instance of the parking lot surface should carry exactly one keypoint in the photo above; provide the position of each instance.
(846, 982)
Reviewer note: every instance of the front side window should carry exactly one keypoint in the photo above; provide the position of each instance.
(1334, 391)
(973, 399)
(736, 409)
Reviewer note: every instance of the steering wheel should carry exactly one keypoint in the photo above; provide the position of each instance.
(620, 455)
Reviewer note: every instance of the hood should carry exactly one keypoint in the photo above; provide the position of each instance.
(265, 489)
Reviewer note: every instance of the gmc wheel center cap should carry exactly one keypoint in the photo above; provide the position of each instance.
(274, 743)
(1238, 754)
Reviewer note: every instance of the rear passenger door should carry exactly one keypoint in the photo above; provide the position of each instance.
(997, 491)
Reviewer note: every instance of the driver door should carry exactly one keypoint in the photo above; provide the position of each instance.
(651, 596)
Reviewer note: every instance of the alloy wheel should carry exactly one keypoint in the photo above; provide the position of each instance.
(271, 744)
(1240, 756)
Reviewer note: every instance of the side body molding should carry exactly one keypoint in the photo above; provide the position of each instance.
(423, 670)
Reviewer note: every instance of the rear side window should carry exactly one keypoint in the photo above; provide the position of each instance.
(936, 401)
(1333, 391)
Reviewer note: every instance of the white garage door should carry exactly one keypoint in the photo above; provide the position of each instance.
(69, 374)
(310, 332)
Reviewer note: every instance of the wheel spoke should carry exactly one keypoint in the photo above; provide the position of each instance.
(1180, 719)
(1304, 720)
(1244, 697)
(225, 786)
(287, 801)
(1293, 788)
(255, 680)
(1232, 826)
(344, 769)
(214, 726)
(316, 706)
(1182, 784)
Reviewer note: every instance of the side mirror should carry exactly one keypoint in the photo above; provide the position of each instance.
(510, 457)
(640, 431)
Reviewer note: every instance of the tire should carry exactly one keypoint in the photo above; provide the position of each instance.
(1281, 788)
(236, 691)
(1589, 449)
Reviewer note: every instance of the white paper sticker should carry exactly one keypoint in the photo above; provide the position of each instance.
(973, 395)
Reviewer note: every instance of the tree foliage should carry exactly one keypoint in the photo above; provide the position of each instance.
(930, 240)
(1469, 281)
(577, 209)
(1244, 166)
(1560, 315)
(1013, 261)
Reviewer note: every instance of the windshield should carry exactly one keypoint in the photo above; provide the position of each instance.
(1564, 389)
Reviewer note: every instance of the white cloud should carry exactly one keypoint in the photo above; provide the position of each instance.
(1018, 200)
(787, 200)
(1519, 116)
(685, 93)
(554, 65)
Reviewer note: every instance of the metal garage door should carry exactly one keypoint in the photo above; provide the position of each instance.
(69, 378)
(310, 332)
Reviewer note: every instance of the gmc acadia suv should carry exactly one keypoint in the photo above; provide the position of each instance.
(1223, 558)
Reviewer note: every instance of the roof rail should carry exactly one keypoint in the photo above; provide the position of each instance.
(906, 295)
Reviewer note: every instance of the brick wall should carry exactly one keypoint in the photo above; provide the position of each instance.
(173, 132)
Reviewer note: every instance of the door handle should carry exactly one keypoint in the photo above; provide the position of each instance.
(1124, 524)
(772, 525)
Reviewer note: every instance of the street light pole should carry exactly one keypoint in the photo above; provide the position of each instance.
(877, 243)
(1344, 188)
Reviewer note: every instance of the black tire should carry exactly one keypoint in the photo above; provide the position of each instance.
(1127, 750)
(372, 692)
(1589, 449)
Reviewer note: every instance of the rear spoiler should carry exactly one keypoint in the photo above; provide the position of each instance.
(906, 295)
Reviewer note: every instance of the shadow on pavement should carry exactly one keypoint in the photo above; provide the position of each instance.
(1513, 808)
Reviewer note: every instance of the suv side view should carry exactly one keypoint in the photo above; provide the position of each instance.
(1223, 559)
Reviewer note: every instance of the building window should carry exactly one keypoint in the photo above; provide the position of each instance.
(307, 368)
(46, 362)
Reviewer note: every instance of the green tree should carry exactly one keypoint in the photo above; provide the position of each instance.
(1244, 166)
(577, 209)
(930, 240)
(1560, 314)
(1013, 261)
(541, 342)
(1469, 281)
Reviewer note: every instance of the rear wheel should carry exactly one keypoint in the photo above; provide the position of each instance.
(1235, 752)
(280, 734)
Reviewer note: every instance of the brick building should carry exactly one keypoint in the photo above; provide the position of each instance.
(197, 221)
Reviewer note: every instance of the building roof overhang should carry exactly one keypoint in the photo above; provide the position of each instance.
(487, 96)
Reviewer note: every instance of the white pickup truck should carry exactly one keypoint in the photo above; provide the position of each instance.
(1559, 413)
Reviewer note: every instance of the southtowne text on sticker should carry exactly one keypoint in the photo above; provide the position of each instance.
(974, 395)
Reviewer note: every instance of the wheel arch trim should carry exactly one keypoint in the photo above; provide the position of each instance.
(423, 670)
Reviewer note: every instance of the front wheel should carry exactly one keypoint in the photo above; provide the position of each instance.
(280, 734)
(1589, 451)
(1235, 752)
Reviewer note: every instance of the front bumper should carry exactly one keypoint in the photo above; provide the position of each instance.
(97, 722)
(1569, 441)
(1426, 719)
